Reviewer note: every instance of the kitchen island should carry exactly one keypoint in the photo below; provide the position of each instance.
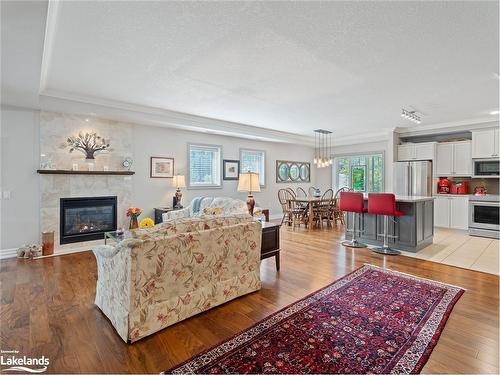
(414, 230)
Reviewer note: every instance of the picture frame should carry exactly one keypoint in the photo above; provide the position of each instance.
(230, 170)
(161, 167)
(292, 171)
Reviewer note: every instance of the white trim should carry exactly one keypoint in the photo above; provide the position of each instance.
(8, 253)
(48, 42)
(445, 127)
(12, 253)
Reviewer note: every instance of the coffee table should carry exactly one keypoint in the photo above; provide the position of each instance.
(117, 236)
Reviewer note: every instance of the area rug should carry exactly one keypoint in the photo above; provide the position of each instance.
(372, 320)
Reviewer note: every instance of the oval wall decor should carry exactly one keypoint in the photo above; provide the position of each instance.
(293, 171)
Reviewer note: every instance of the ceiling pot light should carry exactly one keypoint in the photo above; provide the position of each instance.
(494, 113)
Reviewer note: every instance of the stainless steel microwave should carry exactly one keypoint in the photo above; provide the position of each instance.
(486, 167)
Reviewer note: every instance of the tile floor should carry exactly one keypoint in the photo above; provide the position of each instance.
(457, 248)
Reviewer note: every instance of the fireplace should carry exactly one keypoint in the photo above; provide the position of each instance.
(86, 219)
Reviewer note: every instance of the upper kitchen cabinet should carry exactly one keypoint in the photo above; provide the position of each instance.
(454, 159)
(485, 143)
(417, 151)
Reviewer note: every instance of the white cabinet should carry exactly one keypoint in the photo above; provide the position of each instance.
(444, 159)
(459, 212)
(451, 212)
(417, 151)
(454, 159)
(485, 143)
(406, 152)
(442, 212)
(462, 159)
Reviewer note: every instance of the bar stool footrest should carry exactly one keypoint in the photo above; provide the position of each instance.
(386, 251)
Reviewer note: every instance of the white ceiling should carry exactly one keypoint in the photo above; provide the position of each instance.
(290, 66)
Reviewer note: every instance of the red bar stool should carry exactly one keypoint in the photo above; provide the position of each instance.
(352, 202)
(384, 204)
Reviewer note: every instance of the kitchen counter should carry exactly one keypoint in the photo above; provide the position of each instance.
(485, 198)
(414, 230)
(408, 198)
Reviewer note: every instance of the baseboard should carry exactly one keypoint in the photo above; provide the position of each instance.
(8, 253)
(12, 253)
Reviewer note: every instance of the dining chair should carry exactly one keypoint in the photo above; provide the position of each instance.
(301, 192)
(299, 213)
(323, 211)
(337, 214)
(291, 191)
(284, 197)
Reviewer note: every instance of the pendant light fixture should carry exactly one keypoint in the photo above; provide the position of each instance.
(322, 148)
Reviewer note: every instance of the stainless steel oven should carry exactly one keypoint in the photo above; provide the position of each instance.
(486, 168)
(484, 219)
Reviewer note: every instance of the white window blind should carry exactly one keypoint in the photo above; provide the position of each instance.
(204, 165)
(254, 161)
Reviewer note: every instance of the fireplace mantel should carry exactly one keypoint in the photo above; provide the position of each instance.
(68, 171)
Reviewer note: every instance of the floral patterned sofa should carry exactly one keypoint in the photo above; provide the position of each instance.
(175, 270)
(200, 206)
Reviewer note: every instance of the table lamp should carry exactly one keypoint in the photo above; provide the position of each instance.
(178, 181)
(249, 182)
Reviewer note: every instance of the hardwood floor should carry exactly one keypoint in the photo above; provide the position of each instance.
(47, 309)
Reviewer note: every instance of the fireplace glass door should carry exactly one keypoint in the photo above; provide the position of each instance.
(85, 219)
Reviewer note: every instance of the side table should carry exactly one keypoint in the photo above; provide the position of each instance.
(271, 242)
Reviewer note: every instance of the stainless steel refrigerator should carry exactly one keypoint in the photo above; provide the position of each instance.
(413, 178)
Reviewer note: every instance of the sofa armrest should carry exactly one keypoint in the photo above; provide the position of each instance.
(176, 214)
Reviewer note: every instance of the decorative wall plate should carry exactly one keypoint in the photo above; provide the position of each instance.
(293, 171)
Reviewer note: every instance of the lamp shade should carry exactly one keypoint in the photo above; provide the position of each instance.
(249, 182)
(179, 181)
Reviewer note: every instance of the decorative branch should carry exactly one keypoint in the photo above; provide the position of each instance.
(88, 144)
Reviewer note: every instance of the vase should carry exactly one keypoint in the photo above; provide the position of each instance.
(134, 224)
(47, 243)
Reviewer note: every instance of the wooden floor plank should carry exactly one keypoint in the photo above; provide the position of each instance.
(47, 308)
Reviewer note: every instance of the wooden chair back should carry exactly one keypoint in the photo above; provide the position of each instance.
(311, 191)
(301, 193)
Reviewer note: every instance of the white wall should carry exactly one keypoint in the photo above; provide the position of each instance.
(20, 215)
(324, 175)
(155, 141)
(18, 164)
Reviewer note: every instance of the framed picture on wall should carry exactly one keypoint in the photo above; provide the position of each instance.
(293, 171)
(161, 167)
(231, 169)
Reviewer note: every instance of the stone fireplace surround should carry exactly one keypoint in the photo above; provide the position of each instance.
(54, 130)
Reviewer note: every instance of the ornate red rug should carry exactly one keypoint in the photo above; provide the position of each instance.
(372, 320)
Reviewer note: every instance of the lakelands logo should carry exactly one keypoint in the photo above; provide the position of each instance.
(15, 362)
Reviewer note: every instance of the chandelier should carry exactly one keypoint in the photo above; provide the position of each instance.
(411, 115)
(322, 148)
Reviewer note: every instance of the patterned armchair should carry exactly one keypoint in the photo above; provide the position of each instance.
(175, 270)
(200, 205)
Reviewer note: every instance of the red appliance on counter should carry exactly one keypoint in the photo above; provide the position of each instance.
(459, 187)
(480, 190)
(443, 186)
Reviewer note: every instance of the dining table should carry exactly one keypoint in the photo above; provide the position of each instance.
(311, 202)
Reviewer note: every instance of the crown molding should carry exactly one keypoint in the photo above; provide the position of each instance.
(454, 126)
(56, 101)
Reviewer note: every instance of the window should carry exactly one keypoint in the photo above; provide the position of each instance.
(363, 173)
(204, 165)
(254, 161)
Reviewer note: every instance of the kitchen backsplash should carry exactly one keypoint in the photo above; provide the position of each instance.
(491, 184)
